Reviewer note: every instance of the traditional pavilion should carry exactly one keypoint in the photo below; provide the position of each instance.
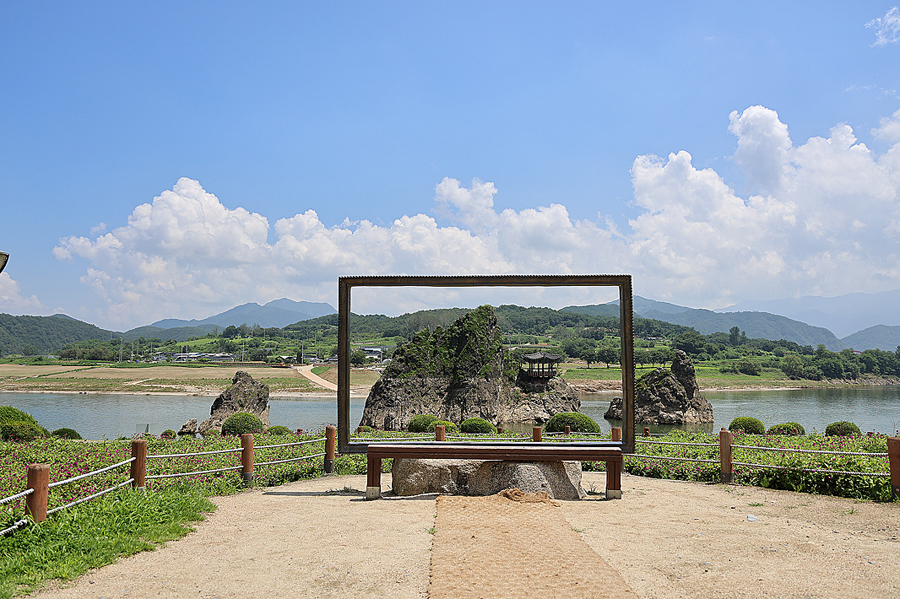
(541, 366)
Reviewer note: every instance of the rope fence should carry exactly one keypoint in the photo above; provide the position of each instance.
(38, 483)
(727, 463)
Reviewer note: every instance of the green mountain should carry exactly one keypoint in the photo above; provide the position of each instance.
(878, 337)
(41, 335)
(754, 324)
(174, 333)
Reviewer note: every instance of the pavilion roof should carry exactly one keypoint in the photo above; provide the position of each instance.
(542, 356)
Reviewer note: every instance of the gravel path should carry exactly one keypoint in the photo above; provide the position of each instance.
(319, 538)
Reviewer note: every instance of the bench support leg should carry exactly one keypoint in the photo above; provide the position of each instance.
(614, 480)
(373, 476)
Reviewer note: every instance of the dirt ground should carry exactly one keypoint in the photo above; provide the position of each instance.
(319, 538)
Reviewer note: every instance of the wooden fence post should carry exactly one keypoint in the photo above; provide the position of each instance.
(439, 432)
(646, 431)
(726, 470)
(616, 433)
(36, 503)
(536, 434)
(893, 444)
(499, 430)
(139, 465)
(568, 430)
(247, 458)
(330, 433)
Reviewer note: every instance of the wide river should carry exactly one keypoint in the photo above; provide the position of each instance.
(97, 416)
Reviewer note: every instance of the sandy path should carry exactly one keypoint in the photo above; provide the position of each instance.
(665, 538)
(307, 372)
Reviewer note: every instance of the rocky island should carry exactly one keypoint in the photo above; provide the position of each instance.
(667, 396)
(462, 372)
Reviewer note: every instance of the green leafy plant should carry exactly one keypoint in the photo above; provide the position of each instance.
(477, 426)
(419, 423)
(21, 431)
(577, 423)
(167, 434)
(841, 429)
(747, 424)
(66, 433)
(279, 430)
(788, 428)
(242, 423)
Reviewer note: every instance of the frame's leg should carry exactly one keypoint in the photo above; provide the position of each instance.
(373, 477)
(614, 479)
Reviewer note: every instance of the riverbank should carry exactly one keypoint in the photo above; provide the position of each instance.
(209, 381)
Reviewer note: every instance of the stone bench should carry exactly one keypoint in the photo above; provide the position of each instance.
(611, 453)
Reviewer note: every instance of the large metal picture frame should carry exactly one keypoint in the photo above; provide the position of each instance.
(626, 331)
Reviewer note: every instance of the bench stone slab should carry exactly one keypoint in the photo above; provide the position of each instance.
(560, 480)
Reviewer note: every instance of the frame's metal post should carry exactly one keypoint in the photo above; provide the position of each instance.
(343, 364)
(626, 329)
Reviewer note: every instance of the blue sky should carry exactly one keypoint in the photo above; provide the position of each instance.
(178, 159)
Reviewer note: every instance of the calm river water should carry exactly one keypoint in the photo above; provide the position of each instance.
(96, 416)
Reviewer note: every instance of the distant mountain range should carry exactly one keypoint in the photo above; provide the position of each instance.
(843, 315)
(277, 313)
(763, 324)
(47, 334)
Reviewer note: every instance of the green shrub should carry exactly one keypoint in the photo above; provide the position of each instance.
(747, 424)
(364, 429)
(21, 431)
(788, 428)
(242, 423)
(841, 429)
(167, 434)
(278, 430)
(449, 427)
(11, 414)
(577, 423)
(419, 424)
(478, 426)
(66, 433)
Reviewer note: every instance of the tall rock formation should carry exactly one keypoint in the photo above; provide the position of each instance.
(457, 373)
(244, 395)
(667, 396)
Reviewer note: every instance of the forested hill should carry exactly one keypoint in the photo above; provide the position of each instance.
(33, 335)
(756, 325)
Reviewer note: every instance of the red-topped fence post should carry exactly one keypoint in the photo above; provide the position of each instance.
(38, 479)
(139, 465)
(330, 434)
(536, 433)
(726, 469)
(893, 445)
(247, 458)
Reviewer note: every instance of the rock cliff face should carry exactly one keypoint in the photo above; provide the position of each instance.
(244, 395)
(667, 396)
(457, 373)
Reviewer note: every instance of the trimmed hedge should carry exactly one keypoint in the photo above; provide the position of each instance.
(477, 426)
(576, 421)
(66, 433)
(788, 428)
(747, 424)
(242, 423)
(449, 427)
(279, 430)
(841, 429)
(419, 423)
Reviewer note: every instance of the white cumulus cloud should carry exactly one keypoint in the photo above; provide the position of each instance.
(823, 218)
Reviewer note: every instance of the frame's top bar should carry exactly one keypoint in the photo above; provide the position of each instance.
(483, 280)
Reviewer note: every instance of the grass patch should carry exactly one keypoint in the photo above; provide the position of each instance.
(94, 534)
